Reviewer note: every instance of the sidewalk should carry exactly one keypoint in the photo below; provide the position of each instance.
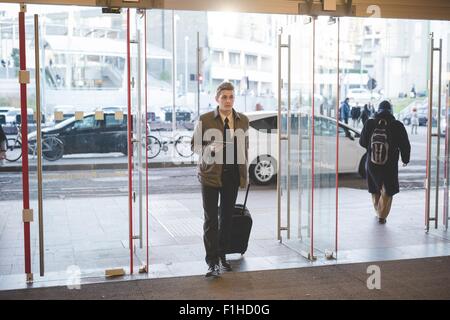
(92, 234)
(99, 161)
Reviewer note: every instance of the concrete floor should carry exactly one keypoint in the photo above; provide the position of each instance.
(85, 236)
(426, 278)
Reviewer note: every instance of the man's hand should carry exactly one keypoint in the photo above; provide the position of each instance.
(405, 164)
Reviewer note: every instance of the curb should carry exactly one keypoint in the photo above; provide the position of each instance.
(96, 166)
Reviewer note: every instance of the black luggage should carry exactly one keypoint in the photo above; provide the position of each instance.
(241, 225)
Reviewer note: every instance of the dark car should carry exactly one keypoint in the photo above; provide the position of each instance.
(422, 115)
(89, 135)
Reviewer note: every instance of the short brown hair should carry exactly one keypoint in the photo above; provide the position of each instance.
(226, 85)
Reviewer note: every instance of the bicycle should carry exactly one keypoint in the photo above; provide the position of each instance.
(182, 144)
(52, 147)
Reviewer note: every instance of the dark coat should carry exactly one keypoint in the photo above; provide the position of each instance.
(2, 134)
(398, 144)
(344, 111)
(365, 115)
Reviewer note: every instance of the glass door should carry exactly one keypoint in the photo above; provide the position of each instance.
(307, 138)
(138, 132)
(326, 136)
(437, 173)
(294, 141)
(73, 157)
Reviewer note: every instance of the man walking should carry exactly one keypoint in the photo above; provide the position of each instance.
(221, 141)
(385, 138)
(345, 110)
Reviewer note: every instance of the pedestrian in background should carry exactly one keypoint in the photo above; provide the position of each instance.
(365, 114)
(414, 121)
(2, 145)
(345, 110)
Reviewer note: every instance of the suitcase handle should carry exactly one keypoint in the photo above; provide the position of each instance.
(245, 201)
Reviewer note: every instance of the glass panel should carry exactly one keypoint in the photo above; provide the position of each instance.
(438, 150)
(298, 156)
(138, 111)
(84, 178)
(12, 257)
(325, 96)
(444, 129)
(176, 94)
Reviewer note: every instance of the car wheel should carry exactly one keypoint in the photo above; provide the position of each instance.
(264, 171)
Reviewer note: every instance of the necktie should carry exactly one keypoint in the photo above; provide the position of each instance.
(226, 138)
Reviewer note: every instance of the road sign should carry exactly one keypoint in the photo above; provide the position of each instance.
(371, 84)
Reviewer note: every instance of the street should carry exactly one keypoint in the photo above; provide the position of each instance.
(114, 182)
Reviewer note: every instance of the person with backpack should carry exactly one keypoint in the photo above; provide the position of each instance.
(385, 139)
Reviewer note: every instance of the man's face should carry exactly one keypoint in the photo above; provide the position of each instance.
(225, 99)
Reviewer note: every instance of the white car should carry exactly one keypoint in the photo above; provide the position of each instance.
(3, 112)
(444, 122)
(263, 145)
(11, 116)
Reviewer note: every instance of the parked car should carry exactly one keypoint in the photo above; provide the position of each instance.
(360, 96)
(444, 122)
(263, 145)
(68, 111)
(115, 108)
(89, 135)
(422, 114)
(13, 118)
(4, 111)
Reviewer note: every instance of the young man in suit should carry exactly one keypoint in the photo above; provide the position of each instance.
(221, 141)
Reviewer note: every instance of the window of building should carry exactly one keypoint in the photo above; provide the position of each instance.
(266, 64)
(217, 56)
(251, 61)
(234, 58)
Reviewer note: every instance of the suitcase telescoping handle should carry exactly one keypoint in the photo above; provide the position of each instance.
(245, 201)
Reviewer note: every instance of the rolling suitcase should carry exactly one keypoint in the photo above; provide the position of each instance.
(241, 225)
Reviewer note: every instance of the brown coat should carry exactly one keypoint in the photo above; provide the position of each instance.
(210, 171)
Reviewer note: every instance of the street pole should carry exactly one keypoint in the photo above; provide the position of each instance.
(174, 71)
(186, 40)
(198, 74)
(42, 75)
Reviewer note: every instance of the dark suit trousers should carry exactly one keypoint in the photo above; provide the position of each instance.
(217, 229)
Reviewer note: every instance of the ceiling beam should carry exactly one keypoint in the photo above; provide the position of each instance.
(402, 9)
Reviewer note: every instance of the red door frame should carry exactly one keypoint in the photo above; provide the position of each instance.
(24, 132)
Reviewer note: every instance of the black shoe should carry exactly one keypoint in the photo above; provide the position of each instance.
(381, 220)
(225, 265)
(213, 271)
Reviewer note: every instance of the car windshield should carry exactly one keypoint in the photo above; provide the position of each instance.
(64, 123)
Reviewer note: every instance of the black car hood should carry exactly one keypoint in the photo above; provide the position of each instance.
(50, 130)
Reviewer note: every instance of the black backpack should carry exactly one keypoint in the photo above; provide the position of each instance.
(379, 143)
